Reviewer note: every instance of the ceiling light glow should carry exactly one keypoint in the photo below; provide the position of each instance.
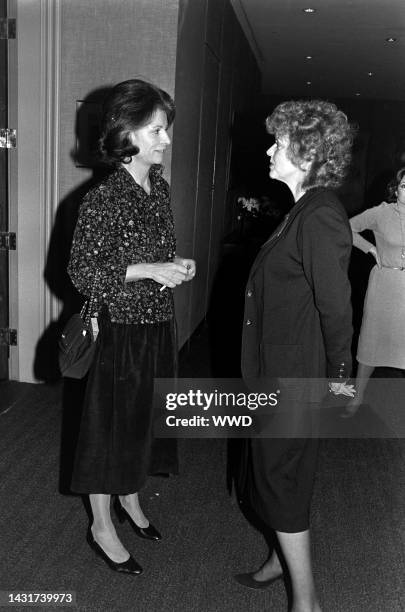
(309, 10)
(308, 57)
(390, 39)
(309, 82)
(370, 73)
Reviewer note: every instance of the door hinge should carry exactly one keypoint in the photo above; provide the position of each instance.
(8, 241)
(8, 138)
(8, 28)
(8, 336)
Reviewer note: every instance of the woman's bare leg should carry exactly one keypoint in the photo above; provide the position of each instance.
(270, 568)
(131, 504)
(103, 529)
(363, 375)
(296, 548)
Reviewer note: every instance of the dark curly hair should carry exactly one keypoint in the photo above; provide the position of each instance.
(393, 186)
(317, 132)
(129, 106)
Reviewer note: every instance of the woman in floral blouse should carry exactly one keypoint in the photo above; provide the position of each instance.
(123, 255)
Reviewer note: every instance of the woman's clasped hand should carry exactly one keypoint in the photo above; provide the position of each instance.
(342, 388)
(167, 273)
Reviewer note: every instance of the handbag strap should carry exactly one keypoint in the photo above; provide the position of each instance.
(87, 308)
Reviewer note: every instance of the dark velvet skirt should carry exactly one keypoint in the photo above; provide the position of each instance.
(116, 450)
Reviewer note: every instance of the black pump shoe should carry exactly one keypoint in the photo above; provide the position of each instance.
(127, 567)
(247, 580)
(147, 533)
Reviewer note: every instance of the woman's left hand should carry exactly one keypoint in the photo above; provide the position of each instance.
(189, 264)
(342, 388)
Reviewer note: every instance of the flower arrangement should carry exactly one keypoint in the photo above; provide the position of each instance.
(248, 207)
(256, 217)
(255, 208)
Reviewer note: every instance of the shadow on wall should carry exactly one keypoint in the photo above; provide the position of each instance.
(87, 132)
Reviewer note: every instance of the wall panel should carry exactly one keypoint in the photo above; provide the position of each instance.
(213, 26)
(205, 185)
(223, 140)
(186, 135)
(105, 42)
(216, 74)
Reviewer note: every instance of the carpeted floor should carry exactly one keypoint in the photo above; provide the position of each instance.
(358, 524)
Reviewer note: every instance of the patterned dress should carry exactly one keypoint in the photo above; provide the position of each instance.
(120, 224)
(382, 335)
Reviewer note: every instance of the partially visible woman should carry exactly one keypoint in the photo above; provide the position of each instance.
(124, 257)
(382, 334)
(298, 324)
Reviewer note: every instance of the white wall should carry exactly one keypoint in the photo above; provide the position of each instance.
(104, 42)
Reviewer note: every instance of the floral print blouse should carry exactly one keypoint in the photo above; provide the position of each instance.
(120, 224)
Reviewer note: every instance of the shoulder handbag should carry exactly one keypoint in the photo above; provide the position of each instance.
(77, 344)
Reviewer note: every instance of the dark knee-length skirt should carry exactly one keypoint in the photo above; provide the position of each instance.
(277, 469)
(116, 450)
(278, 478)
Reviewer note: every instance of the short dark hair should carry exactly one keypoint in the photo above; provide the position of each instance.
(317, 132)
(128, 107)
(393, 185)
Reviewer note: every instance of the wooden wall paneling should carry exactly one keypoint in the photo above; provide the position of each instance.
(213, 25)
(215, 211)
(229, 53)
(206, 169)
(223, 145)
(245, 94)
(212, 53)
(239, 88)
(185, 148)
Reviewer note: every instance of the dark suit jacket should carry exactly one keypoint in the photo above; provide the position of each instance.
(298, 318)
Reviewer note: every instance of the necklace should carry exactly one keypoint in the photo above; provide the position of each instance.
(402, 234)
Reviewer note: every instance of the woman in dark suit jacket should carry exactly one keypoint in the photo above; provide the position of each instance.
(298, 324)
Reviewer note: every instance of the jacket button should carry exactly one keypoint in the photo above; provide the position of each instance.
(248, 322)
(249, 293)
